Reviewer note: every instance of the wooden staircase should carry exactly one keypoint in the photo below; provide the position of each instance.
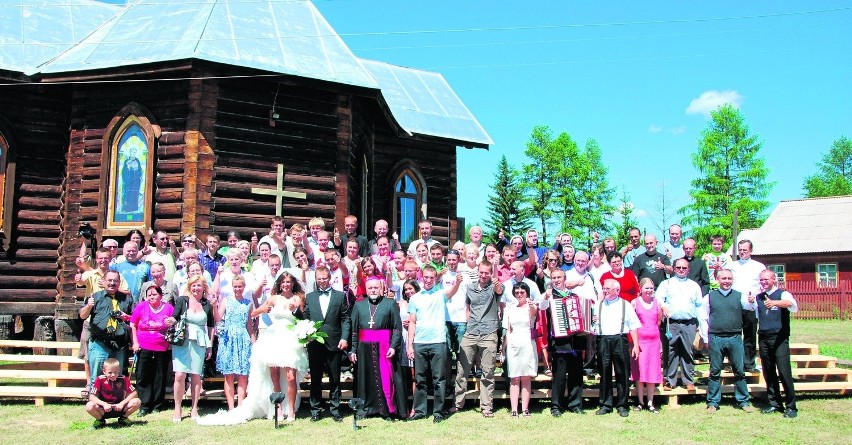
(41, 376)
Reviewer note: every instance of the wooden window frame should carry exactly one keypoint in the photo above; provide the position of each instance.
(830, 282)
(780, 271)
(132, 114)
(407, 168)
(7, 188)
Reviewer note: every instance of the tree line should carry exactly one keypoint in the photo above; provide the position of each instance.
(565, 186)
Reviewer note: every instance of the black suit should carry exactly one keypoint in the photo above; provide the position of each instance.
(326, 357)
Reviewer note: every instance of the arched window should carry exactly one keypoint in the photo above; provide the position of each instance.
(409, 200)
(129, 187)
(7, 178)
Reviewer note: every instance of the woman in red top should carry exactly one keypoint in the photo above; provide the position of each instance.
(625, 277)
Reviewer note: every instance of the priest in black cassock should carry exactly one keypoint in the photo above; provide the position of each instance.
(376, 338)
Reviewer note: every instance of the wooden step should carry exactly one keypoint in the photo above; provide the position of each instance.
(41, 375)
(804, 349)
(813, 361)
(21, 358)
(75, 345)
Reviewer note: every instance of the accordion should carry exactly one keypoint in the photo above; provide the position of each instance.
(571, 315)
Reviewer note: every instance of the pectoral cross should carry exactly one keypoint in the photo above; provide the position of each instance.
(372, 323)
(278, 192)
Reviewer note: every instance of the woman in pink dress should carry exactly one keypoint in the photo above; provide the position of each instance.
(646, 371)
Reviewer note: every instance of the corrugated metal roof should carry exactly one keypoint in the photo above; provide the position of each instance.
(423, 102)
(289, 37)
(813, 225)
(35, 31)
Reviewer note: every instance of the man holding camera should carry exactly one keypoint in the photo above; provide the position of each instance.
(108, 311)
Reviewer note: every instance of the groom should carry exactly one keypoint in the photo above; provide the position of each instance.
(328, 306)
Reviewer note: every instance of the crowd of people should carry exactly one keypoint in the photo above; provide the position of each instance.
(401, 321)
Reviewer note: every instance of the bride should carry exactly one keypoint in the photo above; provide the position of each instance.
(277, 359)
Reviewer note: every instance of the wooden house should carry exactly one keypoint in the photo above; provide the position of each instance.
(207, 117)
(806, 240)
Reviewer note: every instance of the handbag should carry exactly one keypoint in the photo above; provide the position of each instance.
(176, 334)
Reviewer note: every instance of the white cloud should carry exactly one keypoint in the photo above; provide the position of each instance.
(640, 213)
(713, 99)
(656, 129)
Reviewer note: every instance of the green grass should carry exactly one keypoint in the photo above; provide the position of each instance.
(825, 420)
(834, 337)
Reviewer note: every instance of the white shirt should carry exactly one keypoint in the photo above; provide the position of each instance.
(609, 318)
(324, 299)
(587, 290)
(456, 307)
(508, 298)
(747, 276)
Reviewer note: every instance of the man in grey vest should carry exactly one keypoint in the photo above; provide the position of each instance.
(773, 307)
(723, 324)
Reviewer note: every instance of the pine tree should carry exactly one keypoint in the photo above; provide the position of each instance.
(834, 177)
(625, 210)
(731, 176)
(506, 210)
(594, 207)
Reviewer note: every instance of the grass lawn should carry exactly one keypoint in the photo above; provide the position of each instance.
(825, 420)
(834, 337)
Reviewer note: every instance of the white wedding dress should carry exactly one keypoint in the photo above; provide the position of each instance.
(277, 346)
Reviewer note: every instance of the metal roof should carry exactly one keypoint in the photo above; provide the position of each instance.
(287, 37)
(35, 31)
(423, 102)
(815, 225)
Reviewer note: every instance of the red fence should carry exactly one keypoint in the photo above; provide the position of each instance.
(822, 303)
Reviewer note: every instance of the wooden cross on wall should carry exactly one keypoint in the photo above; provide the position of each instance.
(278, 192)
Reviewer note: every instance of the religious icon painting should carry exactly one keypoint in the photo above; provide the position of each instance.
(130, 173)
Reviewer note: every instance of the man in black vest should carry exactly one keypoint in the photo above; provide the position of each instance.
(723, 324)
(773, 333)
(329, 306)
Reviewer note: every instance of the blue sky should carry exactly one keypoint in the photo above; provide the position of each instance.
(638, 77)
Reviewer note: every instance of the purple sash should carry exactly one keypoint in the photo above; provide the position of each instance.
(382, 337)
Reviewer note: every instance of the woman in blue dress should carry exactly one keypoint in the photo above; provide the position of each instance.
(236, 336)
(189, 357)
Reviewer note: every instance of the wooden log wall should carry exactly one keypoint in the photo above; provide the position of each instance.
(93, 106)
(248, 150)
(436, 161)
(360, 144)
(38, 120)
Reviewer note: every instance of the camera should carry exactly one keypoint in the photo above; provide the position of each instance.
(86, 230)
(115, 314)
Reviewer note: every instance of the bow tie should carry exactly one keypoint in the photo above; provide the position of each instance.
(325, 292)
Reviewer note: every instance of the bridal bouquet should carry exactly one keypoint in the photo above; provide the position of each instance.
(308, 331)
